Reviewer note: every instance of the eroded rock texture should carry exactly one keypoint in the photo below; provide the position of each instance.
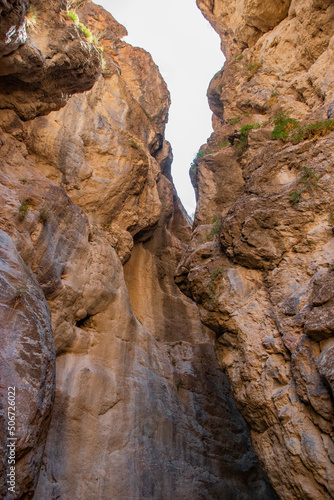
(141, 408)
(260, 261)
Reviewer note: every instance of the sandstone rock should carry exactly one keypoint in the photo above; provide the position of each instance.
(56, 61)
(259, 272)
(142, 409)
(27, 365)
(325, 365)
(319, 322)
(13, 29)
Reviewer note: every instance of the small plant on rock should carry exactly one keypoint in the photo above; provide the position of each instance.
(241, 143)
(235, 120)
(86, 31)
(72, 15)
(24, 208)
(31, 18)
(215, 229)
(253, 68)
(134, 143)
(179, 384)
(283, 126)
(309, 179)
(214, 277)
(44, 216)
(274, 43)
(331, 216)
(318, 129)
(295, 198)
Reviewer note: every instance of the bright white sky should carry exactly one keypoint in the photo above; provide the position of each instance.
(187, 51)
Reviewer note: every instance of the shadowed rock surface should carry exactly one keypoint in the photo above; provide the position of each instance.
(260, 261)
(141, 409)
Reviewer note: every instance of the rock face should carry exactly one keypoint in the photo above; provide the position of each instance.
(260, 261)
(140, 408)
(27, 366)
(56, 61)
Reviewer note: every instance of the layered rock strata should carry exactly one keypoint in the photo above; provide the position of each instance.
(260, 261)
(140, 408)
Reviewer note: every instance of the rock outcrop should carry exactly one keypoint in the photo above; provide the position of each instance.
(260, 261)
(140, 408)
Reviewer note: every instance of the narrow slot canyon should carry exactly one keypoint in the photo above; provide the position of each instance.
(145, 356)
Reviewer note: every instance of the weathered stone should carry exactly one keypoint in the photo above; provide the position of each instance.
(259, 273)
(320, 322)
(326, 365)
(12, 28)
(56, 61)
(142, 408)
(27, 370)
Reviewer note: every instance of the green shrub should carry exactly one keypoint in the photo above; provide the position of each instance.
(244, 131)
(223, 144)
(253, 68)
(235, 120)
(24, 208)
(85, 30)
(200, 154)
(318, 129)
(242, 144)
(310, 179)
(215, 229)
(24, 181)
(214, 277)
(216, 274)
(295, 197)
(239, 58)
(179, 384)
(283, 126)
(44, 216)
(73, 15)
(134, 143)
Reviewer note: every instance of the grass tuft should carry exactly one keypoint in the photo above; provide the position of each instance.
(215, 229)
(283, 126)
(72, 15)
(134, 143)
(235, 120)
(85, 31)
(24, 208)
(253, 68)
(44, 216)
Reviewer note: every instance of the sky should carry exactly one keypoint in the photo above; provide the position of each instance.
(187, 51)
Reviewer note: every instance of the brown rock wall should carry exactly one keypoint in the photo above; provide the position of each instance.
(142, 409)
(259, 262)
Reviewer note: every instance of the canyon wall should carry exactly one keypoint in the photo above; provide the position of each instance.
(119, 394)
(260, 262)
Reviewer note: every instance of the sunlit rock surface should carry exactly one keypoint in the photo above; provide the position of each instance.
(141, 408)
(260, 261)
